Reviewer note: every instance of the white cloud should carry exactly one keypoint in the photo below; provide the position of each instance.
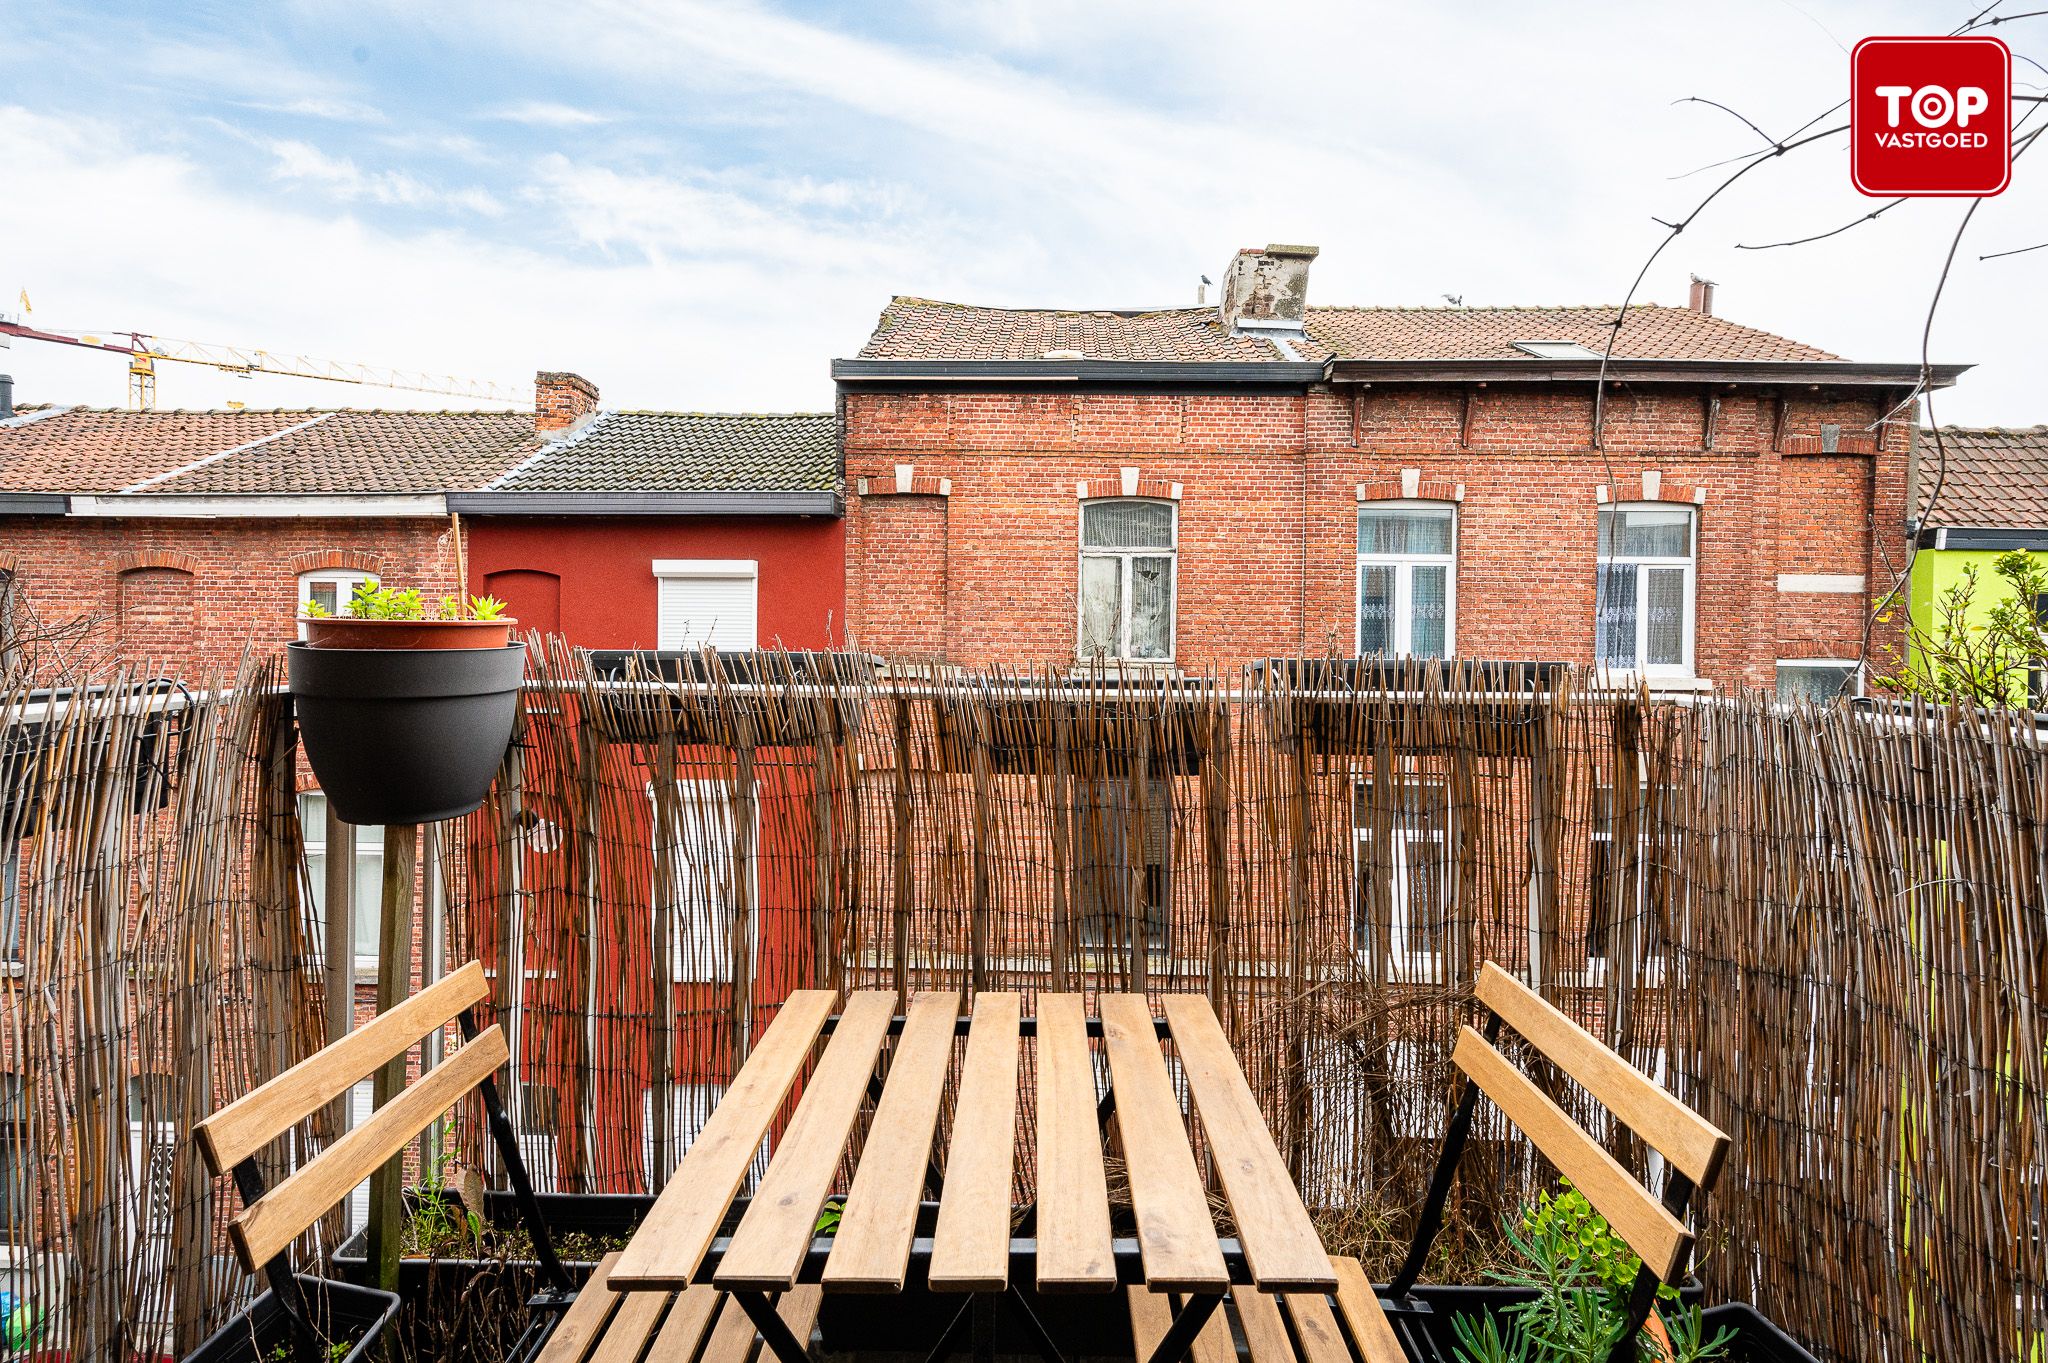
(343, 178)
(542, 113)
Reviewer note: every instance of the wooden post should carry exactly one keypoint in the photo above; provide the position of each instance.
(394, 980)
(977, 909)
(339, 882)
(433, 955)
(900, 964)
(662, 1046)
(746, 906)
(1216, 846)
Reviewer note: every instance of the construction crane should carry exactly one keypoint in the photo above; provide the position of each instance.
(144, 351)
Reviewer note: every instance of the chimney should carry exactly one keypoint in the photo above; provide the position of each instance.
(1701, 299)
(1266, 290)
(562, 402)
(6, 396)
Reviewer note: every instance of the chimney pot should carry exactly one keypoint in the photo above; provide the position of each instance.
(1701, 299)
(1267, 289)
(561, 402)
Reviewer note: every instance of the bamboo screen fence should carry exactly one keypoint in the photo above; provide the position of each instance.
(1824, 929)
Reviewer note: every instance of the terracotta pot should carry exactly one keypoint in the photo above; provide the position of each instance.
(343, 631)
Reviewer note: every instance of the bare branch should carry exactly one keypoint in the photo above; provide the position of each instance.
(2016, 251)
(1821, 236)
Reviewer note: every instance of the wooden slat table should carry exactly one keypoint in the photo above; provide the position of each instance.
(1070, 1244)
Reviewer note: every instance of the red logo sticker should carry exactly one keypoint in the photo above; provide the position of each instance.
(1930, 117)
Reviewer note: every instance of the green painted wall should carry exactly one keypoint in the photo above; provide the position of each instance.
(1935, 571)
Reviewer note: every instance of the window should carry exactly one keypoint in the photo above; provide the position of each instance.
(704, 862)
(1643, 595)
(10, 637)
(536, 1121)
(1127, 580)
(330, 589)
(1819, 680)
(1406, 885)
(1407, 579)
(369, 874)
(1637, 899)
(706, 603)
(10, 909)
(17, 1161)
(1123, 863)
(1556, 350)
(690, 1106)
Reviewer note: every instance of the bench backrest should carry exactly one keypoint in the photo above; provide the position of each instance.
(1692, 1146)
(267, 1224)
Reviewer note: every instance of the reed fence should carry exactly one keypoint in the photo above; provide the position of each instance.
(1823, 928)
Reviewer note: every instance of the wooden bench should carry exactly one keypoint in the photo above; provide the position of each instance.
(1388, 1327)
(569, 1326)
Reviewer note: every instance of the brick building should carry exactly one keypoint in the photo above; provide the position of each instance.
(1200, 486)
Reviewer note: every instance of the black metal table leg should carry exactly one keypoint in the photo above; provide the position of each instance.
(944, 1348)
(1047, 1350)
(1180, 1336)
(982, 1306)
(772, 1328)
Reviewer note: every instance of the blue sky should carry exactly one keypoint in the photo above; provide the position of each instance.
(699, 206)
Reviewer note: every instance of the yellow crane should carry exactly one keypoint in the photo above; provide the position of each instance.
(145, 350)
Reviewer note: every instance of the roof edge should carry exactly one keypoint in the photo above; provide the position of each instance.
(1274, 373)
(799, 503)
(1704, 370)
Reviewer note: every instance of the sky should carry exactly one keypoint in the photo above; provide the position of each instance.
(699, 206)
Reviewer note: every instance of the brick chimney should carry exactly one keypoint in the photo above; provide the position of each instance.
(1266, 290)
(1701, 299)
(561, 402)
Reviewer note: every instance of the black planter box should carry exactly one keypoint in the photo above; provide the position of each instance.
(405, 736)
(1756, 1340)
(340, 1311)
(563, 1213)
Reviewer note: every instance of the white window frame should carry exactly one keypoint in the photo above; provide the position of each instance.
(1125, 576)
(689, 569)
(1404, 962)
(1602, 835)
(1856, 674)
(716, 946)
(1404, 566)
(313, 840)
(1643, 567)
(690, 1107)
(345, 582)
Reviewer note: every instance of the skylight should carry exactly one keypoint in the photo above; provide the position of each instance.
(1556, 350)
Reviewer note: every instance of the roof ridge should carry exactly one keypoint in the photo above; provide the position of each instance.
(194, 465)
(1159, 311)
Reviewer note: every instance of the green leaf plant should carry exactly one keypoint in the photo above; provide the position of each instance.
(1992, 657)
(375, 601)
(1579, 1273)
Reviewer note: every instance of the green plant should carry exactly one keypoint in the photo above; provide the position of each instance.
(438, 1214)
(1579, 1273)
(828, 1219)
(1978, 657)
(375, 601)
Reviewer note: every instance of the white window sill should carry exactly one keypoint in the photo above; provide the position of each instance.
(1664, 685)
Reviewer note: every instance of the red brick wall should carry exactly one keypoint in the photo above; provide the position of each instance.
(1268, 514)
(188, 594)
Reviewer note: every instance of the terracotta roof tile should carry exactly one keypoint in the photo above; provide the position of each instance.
(921, 329)
(1997, 477)
(1652, 332)
(370, 452)
(687, 452)
(97, 450)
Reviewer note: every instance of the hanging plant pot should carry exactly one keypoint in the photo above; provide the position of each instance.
(406, 733)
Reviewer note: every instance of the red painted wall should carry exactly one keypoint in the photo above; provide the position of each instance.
(605, 595)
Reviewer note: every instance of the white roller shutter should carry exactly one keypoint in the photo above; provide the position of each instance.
(707, 601)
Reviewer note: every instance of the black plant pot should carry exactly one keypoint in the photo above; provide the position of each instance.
(1756, 1340)
(607, 1214)
(405, 736)
(341, 1314)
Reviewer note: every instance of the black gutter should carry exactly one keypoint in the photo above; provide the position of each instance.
(646, 503)
(1823, 373)
(33, 504)
(1973, 537)
(1078, 373)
